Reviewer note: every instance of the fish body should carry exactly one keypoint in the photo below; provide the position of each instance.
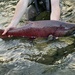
(35, 29)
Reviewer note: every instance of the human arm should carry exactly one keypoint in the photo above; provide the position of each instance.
(19, 11)
(55, 10)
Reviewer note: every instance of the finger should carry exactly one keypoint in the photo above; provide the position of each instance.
(5, 31)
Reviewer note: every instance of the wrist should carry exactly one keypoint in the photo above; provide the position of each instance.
(10, 26)
(14, 23)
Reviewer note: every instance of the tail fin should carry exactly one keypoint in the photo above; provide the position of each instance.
(1, 31)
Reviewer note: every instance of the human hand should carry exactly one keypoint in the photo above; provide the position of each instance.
(7, 29)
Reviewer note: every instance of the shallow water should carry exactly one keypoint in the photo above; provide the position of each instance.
(22, 56)
(27, 57)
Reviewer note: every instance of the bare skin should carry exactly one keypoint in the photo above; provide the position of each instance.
(21, 8)
(55, 14)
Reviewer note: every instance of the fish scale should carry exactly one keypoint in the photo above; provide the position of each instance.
(42, 28)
